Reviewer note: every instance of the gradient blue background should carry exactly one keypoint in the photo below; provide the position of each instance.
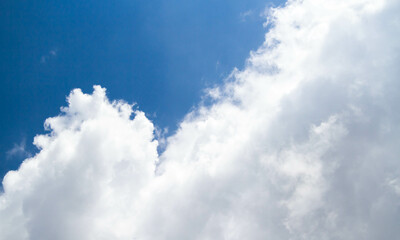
(160, 54)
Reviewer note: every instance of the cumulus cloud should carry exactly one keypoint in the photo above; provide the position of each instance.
(301, 144)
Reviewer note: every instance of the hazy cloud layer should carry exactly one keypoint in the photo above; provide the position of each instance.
(301, 144)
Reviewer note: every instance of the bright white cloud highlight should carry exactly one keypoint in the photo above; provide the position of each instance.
(301, 144)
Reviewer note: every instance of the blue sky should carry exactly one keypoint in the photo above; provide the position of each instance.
(160, 54)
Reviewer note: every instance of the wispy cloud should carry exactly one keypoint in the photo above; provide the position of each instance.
(245, 15)
(18, 150)
(50, 55)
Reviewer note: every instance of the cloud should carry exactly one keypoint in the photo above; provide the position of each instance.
(51, 54)
(245, 15)
(301, 144)
(18, 150)
(94, 159)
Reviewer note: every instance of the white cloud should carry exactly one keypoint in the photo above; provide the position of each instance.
(89, 171)
(301, 144)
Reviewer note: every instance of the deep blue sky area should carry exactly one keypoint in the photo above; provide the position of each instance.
(160, 54)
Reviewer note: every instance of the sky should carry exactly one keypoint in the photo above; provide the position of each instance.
(297, 140)
(142, 51)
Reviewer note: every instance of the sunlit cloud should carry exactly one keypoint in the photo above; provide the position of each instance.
(300, 144)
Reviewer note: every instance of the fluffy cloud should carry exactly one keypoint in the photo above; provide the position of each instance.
(87, 176)
(301, 144)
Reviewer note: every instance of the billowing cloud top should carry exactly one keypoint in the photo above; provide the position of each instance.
(301, 144)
